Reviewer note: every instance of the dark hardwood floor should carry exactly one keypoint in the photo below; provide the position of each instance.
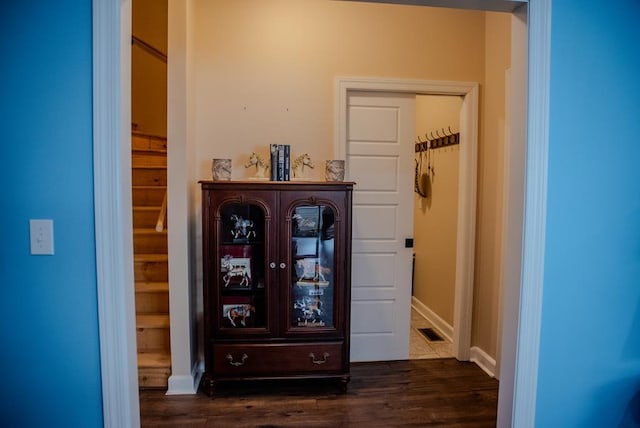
(417, 393)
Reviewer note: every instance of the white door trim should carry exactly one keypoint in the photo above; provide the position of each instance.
(468, 159)
(185, 370)
(535, 211)
(112, 204)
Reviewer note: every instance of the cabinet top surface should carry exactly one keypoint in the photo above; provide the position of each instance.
(266, 184)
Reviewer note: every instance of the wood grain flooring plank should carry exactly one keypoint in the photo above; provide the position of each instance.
(417, 393)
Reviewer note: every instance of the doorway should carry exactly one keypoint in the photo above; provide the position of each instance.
(387, 99)
(435, 206)
(111, 124)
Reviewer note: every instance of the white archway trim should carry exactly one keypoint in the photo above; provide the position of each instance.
(535, 209)
(112, 196)
(468, 158)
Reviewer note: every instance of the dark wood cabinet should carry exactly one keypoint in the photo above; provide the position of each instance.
(276, 280)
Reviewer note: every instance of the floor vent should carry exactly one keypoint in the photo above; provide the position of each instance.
(430, 334)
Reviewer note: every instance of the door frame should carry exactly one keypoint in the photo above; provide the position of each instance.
(468, 161)
(113, 212)
(114, 255)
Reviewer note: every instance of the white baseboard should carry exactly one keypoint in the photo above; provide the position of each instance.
(181, 384)
(438, 323)
(185, 384)
(477, 355)
(483, 360)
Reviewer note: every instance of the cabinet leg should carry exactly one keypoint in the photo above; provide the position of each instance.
(210, 389)
(344, 382)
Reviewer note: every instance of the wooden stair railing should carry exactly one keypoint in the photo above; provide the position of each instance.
(162, 215)
(137, 41)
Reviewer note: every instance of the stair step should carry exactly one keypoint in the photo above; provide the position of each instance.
(149, 176)
(154, 369)
(145, 196)
(153, 339)
(149, 241)
(156, 374)
(147, 166)
(154, 359)
(148, 159)
(152, 321)
(153, 378)
(146, 217)
(151, 267)
(151, 298)
(148, 143)
(142, 231)
(152, 287)
(154, 258)
(152, 303)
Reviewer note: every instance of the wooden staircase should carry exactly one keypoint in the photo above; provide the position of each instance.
(149, 179)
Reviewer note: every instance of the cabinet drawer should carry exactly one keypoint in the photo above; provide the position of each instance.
(273, 360)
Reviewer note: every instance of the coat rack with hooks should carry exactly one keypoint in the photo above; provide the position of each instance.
(435, 142)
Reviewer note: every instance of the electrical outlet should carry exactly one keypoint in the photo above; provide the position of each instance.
(41, 237)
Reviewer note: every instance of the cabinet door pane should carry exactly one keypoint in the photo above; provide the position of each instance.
(312, 282)
(241, 274)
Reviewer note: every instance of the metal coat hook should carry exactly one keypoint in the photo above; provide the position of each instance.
(448, 138)
(420, 146)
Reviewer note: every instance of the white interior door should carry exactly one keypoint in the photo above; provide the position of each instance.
(379, 158)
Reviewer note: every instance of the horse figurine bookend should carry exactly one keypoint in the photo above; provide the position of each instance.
(297, 167)
(260, 165)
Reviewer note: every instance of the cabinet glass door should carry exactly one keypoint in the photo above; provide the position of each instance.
(312, 282)
(241, 267)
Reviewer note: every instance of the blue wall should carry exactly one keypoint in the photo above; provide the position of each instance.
(49, 348)
(589, 373)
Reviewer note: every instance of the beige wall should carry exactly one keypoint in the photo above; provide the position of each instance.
(435, 217)
(265, 69)
(490, 172)
(148, 73)
(264, 72)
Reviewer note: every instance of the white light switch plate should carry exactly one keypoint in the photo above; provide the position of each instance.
(41, 236)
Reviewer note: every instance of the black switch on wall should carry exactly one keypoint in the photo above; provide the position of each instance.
(408, 243)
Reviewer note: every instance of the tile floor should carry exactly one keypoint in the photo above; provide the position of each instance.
(420, 347)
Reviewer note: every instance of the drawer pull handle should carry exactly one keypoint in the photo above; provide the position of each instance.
(237, 363)
(322, 361)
